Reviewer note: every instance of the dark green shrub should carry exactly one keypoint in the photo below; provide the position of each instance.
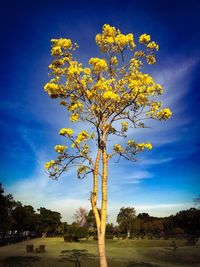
(109, 236)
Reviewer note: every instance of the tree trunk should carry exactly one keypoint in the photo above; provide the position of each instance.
(100, 220)
(101, 234)
(102, 250)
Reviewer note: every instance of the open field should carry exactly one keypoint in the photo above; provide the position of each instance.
(126, 253)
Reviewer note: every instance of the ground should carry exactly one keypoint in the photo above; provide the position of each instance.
(121, 253)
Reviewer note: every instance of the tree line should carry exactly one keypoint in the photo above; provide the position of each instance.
(19, 221)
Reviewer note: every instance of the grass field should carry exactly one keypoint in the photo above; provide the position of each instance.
(126, 253)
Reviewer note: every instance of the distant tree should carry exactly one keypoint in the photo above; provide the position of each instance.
(168, 223)
(125, 219)
(7, 204)
(179, 232)
(144, 216)
(23, 218)
(157, 227)
(90, 220)
(189, 221)
(197, 202)
(109, 228)
(79, 216)
(48, 221)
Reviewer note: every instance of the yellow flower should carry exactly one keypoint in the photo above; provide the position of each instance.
(99, 65)
(76, 105)
(148, 146)
(111, 95)
(131, 143)
(144, 38)
(142, 146)
(74, 69)
(164, 114)
(52, 88)
(117, 148)
(60, 148)
(150, 59)
(124, 126)
(87, 71)
(49, 164)
(153, 45)
(65, 43)
(114, 61)
(74, 117)
(56, 51)
(65, 131)
(82, 136)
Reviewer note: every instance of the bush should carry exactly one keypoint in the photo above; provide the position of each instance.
(192, 240)
(109, 236)
(95, 237)
(70, 238)
(75, 233)
(29, 248)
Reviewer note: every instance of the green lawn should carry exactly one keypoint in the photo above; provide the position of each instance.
(126, 253)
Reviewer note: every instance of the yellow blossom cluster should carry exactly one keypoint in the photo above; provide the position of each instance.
(74, 117)
(49, 164)
(66, 131)
(164, 114)
(103, 85)
(114, 61)
(112, 39)
(87, 71)
(76, 105)
(98, 64)
(124, 126)
(144, 38)
(60, 148)
(111, 95)
(81, 169)
(150, 59)
(52, 88)
(85, 149)
(83, 136)
(131, 143)
(155, 105)
(153, 45)
(58, 45)
(117, 148)
(75, 68)
(123, 40)
(63, 43)
(142, 146)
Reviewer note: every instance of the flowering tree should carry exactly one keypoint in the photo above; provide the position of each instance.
(111, 94)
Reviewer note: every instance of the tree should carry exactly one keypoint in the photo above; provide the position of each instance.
(23, 218)
(90, 221)
(125, 219)
(110, 95)
(48, 221)
(197, 202)
(80, 216)
(7, 204)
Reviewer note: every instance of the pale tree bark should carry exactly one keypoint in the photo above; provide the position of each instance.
(101, 237)
(100, 219)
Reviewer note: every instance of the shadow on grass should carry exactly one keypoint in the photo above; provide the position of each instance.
(141, 264)
(19, 261)
(76, 256)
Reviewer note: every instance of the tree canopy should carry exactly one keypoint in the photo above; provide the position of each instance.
(111, 94)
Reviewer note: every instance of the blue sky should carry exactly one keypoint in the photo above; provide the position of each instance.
(163, 180)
